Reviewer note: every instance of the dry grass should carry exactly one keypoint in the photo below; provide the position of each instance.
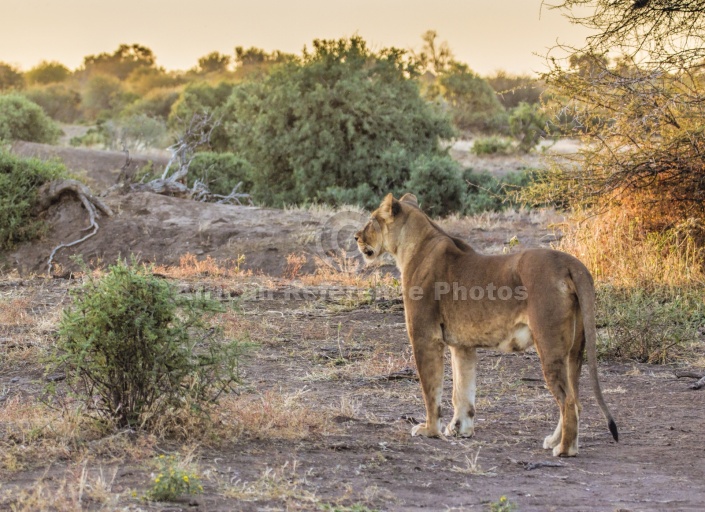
(275, 415)
(191, 267)
(618, 252)
(275, 484)
(81, 487)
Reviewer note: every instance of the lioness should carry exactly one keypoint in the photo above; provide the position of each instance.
(456, 297)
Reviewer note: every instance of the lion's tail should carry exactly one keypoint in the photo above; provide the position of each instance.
(585, 290)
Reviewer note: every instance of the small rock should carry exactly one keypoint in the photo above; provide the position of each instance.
(56, 378)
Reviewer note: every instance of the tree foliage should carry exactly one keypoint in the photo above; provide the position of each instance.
(122, 62)
(344, 124)
(10, 78)
(640, 108)
(20, 179)
(21, 119)
(473, 103)
(47, 73)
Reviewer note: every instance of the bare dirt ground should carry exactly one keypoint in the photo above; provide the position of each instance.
(330, 396)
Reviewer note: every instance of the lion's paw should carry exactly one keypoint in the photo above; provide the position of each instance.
(422, 430)
(460, 428)
(551, 442)
(571, 452)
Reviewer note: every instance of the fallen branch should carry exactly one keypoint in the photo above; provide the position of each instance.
(52, 191)
(699, 385)
(689, 375)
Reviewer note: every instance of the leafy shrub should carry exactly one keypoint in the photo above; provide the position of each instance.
(21, 119)
(20, 178)
(104, 96)
(157, 103)
(60, 102)
(47, 73)
(437, 182)
(493, 145)
(137, 348)
(344, 123)
(650, 326)
(10, 78)
(473, 104)
(221, 172)
(199, 98)
(173, 480)
(527, 124)
(486, 192)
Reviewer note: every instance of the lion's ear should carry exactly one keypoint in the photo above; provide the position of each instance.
(410, 199)
(390, 207)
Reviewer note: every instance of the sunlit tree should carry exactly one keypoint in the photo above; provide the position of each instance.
(636, 92)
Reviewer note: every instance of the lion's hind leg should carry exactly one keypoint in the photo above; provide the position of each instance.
(555, 345)
(464, 362)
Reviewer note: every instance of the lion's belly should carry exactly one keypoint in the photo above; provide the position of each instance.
(514, 337)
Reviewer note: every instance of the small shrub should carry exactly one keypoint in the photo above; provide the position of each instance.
(437, 182)
(221, 172)
(486, 192)
(654, 326)
(527, 124)
(173, 479)
(502, 505)
(136, 348)
(22, 119)
(20, 178)
(59, 101)
(493, 145)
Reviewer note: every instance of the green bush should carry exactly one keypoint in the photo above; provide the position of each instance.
(221, 172)
(650, 326)
(474, 106)
(174, 479)
(19, 180)
(437, 182)
(200, 98)
(157, 103)
(60, 102)
(135, 348)
(527, 124)
(343, 123)
(21, 119)
(486, 192)
(47, 73)
(492, 145)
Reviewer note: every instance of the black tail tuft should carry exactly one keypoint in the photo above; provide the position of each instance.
(613, 430)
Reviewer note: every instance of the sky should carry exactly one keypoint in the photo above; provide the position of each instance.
(488, 35)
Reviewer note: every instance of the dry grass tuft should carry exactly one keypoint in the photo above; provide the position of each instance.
(190, 266)
(275, 415)
(617, 251)
(280, 484)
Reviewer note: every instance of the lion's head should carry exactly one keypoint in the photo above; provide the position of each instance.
(380, 233)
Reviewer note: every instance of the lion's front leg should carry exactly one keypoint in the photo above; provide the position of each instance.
(464, 362)
(428, 354)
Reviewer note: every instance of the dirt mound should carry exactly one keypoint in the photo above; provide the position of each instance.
(100, 168)
(161, 229)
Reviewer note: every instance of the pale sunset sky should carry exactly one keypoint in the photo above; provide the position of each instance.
(486, 34)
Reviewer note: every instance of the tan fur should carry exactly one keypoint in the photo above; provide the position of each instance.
(536, 297)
